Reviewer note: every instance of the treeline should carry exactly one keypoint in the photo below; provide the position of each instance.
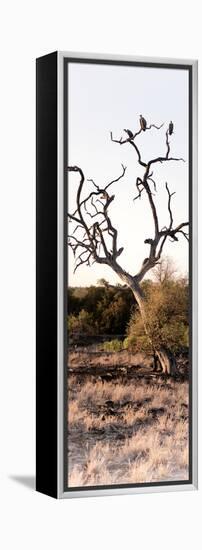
(99, 310)
(102, 310)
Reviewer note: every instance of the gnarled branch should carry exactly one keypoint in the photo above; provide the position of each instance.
(99, 240)
(157, 242)
(93, 242)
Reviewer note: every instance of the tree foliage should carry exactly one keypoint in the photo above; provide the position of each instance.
(167, 318)
(109, 311)
(99, 310)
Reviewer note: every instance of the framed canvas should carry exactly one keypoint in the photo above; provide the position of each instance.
(116, 373)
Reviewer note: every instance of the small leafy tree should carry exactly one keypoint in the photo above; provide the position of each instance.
(167, 319)
(113, 346)
(103, 282)
(81, 324)
(165, 270)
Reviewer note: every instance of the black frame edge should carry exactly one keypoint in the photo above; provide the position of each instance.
(46, 274)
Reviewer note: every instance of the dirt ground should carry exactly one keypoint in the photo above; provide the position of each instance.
(126, 424)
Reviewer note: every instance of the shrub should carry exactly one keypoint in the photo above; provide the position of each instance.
(81, 324)
(109, 305)
(113, 345)
(166, 309)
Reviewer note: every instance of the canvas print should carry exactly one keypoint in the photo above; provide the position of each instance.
(127, 274)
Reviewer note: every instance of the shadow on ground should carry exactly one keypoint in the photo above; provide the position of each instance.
(27, 481)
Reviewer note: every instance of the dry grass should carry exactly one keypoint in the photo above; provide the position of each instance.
(127, 431)
(124, 357)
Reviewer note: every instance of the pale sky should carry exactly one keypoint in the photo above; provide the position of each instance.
(103, 98)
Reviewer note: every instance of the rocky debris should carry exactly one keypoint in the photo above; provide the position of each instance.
(109, 403)
(156, 411)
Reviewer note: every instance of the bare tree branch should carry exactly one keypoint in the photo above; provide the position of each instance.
(94, 245)
(140, 188)
(122, 142)
(148, 164)
(93, 241)
(143, 184)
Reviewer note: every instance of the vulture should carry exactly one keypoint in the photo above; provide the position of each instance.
(130, 134)
(105, 195)
(170, 128)
(143, 123)
(148, 241)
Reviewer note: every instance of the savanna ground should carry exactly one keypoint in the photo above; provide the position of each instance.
(126, 424)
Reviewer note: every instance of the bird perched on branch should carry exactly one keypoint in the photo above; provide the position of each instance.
(130, 134)
(148, 241)
(104, 195)
(143, 123)
(170, 128)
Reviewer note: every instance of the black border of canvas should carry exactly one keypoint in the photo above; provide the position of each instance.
(46, 274)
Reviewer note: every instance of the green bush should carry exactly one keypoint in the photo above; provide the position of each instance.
(113, 345)
(109, 306)
(81, 324)
(166, 310)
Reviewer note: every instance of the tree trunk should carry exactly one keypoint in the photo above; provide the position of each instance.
(164, 360)
(165, 357)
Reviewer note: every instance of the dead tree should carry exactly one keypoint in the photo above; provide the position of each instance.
(93, 237)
